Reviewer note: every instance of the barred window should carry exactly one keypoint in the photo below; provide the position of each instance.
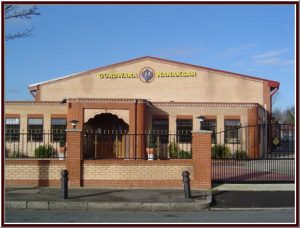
(184, 129)
(232, 131)
(12, 129)
(58, 127)
(35, 129)
(161, 127)
(210, 125)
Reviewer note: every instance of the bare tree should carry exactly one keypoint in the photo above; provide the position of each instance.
(277, 114)
(290, 115)
(15, 12)
(285, 116)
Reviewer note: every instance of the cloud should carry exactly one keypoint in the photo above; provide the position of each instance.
(240, 63)
(272, 58)
(236, 50)
(271, 54)
(179, 52)
(287, 62)
(250, 69)
(274, 61)
(268, 61)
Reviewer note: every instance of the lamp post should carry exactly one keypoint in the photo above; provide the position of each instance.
(200, 119)
(74, 123)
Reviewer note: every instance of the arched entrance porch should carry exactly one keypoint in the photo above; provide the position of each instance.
(106, 122)
(105, 137)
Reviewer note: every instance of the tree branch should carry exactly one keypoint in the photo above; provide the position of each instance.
(23, 34)
(12, 12)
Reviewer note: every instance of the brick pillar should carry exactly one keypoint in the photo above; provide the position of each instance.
(137, 117)
(253, 133)
(74, 156)
(141, 150)
(201, 149)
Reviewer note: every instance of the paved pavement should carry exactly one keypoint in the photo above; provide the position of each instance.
(105, 199)
(254, 187)
(220, 197)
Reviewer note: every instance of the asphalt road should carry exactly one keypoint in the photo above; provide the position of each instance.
(253, 199)
(225, 216)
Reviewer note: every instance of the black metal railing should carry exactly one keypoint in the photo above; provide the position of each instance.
(111, 144)
(258, 153)
(35, 145)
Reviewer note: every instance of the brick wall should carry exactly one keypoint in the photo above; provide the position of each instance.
(33, 172)
(102, 173)
(114, 173)
(135, 173)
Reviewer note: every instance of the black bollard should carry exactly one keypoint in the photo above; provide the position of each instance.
(64, 184)
(186, 184)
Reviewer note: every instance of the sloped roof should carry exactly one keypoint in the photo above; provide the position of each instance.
(271, 83)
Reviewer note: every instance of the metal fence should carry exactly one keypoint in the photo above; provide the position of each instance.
(258, 153)
(148, 145)
(35, 145)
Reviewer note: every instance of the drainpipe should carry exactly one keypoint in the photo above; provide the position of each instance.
(271, 95)
(32, 93)
(274, 91)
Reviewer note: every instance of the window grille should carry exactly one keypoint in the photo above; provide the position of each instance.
(232, 131)
(210, 125)
(35, 129)
(58, 127)
(161, 127)
(12, 129)
(183, 129)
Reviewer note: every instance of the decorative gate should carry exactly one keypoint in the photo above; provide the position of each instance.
(106, 145)
(117, 144)
(258, 153)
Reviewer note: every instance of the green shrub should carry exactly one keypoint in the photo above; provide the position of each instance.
(6, 152)
(150, 140)
(184, 154)
(173, 150)
(17, 154)
(44, 151)
(62, 142)
(14, 154)
(220, 151)
(240, 154)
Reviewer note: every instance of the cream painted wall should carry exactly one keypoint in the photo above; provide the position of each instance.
(195, 111)
(171, 111)
(35, 108)
(206, 87)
